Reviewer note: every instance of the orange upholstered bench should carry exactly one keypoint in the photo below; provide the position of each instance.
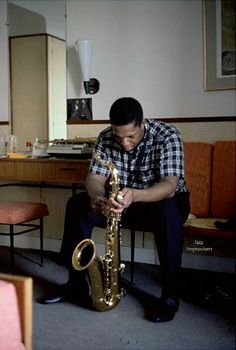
(20, 214)
(211, 178)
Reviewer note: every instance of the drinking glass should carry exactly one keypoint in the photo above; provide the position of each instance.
(3, 146)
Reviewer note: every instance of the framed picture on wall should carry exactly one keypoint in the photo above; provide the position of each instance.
(219, 45)
(79, 108)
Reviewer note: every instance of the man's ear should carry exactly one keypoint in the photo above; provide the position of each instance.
(142, 124)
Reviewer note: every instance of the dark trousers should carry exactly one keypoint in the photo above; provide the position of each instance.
(165, 219)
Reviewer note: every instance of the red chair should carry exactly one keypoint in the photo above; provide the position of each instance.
(20, 214)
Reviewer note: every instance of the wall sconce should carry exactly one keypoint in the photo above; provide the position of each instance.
(84, 51)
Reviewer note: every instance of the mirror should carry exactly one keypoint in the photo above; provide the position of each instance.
(37, 31)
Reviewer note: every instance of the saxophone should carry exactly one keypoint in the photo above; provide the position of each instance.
(104, 271)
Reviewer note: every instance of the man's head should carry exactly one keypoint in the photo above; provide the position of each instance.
(126, 110)
(127, 122)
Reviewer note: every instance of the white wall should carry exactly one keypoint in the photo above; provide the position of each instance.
(4, 66)
(152, 50)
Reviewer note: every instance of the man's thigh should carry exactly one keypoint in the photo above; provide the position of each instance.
(142, 216)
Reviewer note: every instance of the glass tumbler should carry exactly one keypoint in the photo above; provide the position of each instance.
(3, 146)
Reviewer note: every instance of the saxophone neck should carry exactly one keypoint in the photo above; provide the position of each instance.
(114, 176)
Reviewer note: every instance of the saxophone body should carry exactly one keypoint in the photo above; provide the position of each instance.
(104, 271)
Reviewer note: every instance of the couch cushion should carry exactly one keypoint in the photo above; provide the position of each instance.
(10, 334)
(205, 227)
(198, 161)
(223, 194)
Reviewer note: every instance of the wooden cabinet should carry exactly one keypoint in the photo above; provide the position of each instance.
(38, 88)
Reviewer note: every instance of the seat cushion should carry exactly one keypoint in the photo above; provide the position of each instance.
(10, 334)
(205, 227)
(198, 163)
(19, 212)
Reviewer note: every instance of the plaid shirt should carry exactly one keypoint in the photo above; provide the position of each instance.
(159, 154)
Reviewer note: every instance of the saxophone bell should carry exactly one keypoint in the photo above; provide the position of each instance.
(84, 254)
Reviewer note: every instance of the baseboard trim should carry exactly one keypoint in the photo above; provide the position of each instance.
(142, 255)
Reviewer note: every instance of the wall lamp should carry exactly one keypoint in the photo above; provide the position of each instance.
(84, 51)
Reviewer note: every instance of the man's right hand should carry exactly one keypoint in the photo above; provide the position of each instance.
(99, 204)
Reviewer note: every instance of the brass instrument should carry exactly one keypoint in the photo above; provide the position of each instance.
(104, 271)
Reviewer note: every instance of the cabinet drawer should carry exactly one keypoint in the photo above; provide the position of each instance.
(71, 172)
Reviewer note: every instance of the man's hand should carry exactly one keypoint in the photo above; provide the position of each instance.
(122, 201)
(99, 204)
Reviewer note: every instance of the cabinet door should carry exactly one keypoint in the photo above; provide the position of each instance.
(56, 88)
(29, 95)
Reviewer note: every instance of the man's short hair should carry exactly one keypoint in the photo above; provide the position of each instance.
(126, 110)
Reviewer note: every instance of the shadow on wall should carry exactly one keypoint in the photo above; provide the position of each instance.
(25, 22)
